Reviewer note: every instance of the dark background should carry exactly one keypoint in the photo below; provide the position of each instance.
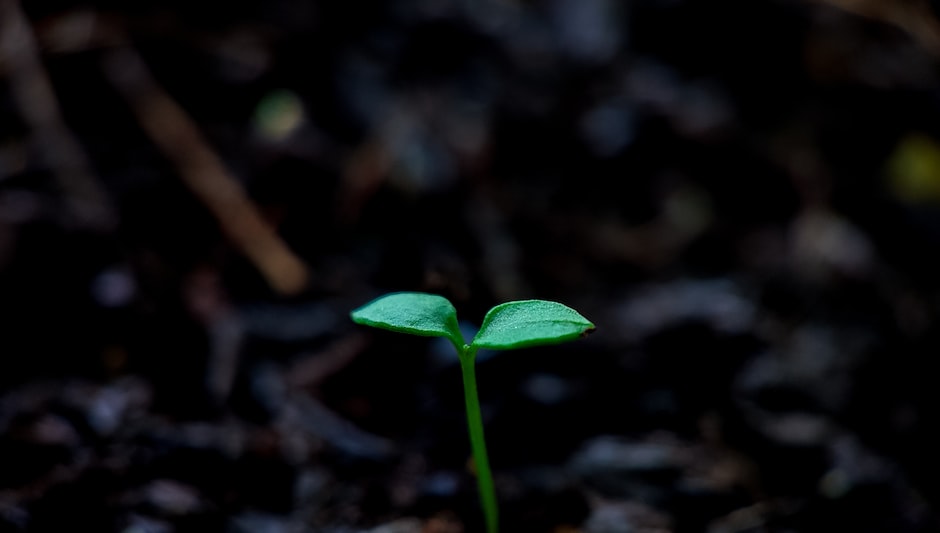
(743, 196)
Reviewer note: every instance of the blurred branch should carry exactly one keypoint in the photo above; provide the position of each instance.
(313, 369)
(86, 202)
(912, 16)
(175, 133)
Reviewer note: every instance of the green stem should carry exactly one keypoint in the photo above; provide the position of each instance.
(477, 442)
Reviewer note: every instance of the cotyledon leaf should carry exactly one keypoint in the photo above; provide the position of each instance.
(417, 313)
(530, 323)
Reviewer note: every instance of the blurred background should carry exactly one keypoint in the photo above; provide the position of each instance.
(744, 196)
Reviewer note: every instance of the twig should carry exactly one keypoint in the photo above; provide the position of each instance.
(174, 132)
(912, 16)
(86, 202)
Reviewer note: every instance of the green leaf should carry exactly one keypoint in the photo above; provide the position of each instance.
(530, 323)
(418, 313)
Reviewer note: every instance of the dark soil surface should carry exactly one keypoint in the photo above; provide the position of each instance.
(743, 196)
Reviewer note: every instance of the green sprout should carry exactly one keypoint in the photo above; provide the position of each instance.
(507, 326)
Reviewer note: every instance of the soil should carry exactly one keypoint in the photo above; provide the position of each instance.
(743, 196)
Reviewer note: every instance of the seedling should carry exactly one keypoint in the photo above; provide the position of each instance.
(507, 326)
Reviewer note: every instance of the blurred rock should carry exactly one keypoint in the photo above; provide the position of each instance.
(12, 517)
(288, 323)
(720, 303)
(794, 429)
(608, 127)
(588, 31)
(751, 518)
(254, 522)
(609, 454)
(53, 430)
(117, 404)
(623, 468)
(143, 524)
(114, 287)
(824, 244)
(444, 522)
(626, 517)
(172, 498)
(854, 465)
(310, 416)
(813, 368)
(440, 484)
(312, 488)
(404, 525)
(548, 389)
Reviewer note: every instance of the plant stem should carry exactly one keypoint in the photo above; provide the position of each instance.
(477, 442)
